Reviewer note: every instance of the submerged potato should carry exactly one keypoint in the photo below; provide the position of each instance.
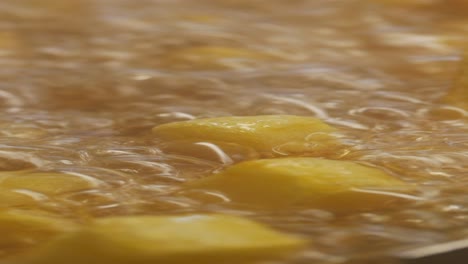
(285, 133)
(328, 184)
(197, 239)
(10, 198)
(23, 229)
(43, 182)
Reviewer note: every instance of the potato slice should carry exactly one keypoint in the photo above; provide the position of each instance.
(45, 183)
(458, 95)
(10, 198)
(284, 133)
(23, 229)
(167, 239)
(328, 184)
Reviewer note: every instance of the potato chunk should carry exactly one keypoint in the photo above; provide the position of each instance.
(47, 183)
(285, 133)
(328, 184)
(167, 239)
(23, 229)
(10, 198)
(20, 187)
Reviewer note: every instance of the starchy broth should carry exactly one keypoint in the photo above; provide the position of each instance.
(85, 82)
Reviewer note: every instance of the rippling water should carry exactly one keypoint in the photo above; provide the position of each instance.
(84, 81)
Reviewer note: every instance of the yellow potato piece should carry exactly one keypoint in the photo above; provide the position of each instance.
(23, 229)
(167, 239)
(458, 95)
(328, 184)
(45, 183)
(10, 198)
(268, 133)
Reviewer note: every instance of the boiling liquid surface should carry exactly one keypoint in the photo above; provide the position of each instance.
(83, 83)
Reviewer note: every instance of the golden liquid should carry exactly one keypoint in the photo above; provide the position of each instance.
(84, 81)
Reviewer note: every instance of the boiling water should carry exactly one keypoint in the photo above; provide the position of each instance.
(84, 81)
